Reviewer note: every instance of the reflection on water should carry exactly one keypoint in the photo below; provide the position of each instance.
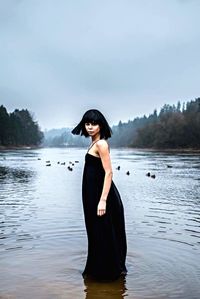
(43, 242)
(99, 290)
(16, 205)
(15, 175)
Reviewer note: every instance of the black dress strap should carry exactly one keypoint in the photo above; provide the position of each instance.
(94, 143)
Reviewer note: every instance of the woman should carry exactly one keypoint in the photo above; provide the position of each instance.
(102, 205)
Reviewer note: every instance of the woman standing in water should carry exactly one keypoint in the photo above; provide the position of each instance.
(102, 205)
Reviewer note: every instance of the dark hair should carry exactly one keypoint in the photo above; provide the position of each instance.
(93, 116)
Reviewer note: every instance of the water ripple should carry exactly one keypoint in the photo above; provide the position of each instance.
(43, 240)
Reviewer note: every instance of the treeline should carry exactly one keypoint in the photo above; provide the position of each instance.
(18, 128)
(63, 138)
(174, 126)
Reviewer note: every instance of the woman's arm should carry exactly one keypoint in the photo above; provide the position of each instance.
(103, 151)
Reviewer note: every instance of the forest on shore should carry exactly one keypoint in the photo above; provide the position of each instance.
(18, 129)
(173, 127)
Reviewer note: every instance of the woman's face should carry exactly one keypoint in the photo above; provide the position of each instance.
(92, 128)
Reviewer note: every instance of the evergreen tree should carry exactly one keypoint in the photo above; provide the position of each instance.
(4, 126)
(18, 128)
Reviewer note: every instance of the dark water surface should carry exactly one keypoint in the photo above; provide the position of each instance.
(43, 243)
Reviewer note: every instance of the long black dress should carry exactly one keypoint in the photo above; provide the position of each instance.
(107, 245)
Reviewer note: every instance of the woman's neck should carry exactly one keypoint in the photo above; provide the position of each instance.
(96, 138)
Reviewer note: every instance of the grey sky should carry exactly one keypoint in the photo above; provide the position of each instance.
(59, 58)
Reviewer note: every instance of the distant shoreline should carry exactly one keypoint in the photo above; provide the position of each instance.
(2, 148)
(172, 150)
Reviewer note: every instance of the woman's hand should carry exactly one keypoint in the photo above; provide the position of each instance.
(101, 208)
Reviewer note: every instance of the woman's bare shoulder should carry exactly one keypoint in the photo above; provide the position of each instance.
(102, 144)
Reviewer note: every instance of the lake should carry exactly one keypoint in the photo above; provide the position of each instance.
(43, 242)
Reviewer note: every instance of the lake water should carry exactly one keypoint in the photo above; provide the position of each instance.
(43, 242)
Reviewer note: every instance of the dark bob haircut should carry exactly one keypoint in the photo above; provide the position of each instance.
(96, 117)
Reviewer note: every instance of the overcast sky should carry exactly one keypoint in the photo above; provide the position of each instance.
(59, 58)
